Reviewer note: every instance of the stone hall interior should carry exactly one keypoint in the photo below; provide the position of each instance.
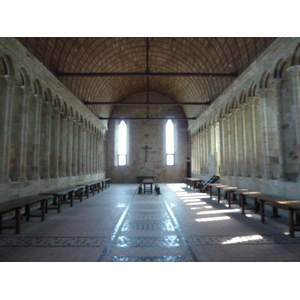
(79, 110)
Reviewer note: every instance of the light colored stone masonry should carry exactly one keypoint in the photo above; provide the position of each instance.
(49, 139)
(152, 134)
(259, 146)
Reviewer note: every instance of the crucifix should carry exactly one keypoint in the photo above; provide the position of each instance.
(146, 149)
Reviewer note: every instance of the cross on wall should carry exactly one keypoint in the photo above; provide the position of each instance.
(146, 150)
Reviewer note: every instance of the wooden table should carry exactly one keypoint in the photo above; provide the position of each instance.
(141, 178)
(191, 182)
(148, 182)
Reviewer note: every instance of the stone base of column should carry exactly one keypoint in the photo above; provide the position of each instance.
(5, 180)
(22, 178)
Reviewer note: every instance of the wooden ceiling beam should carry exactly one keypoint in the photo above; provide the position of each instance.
(146, 103)
(141, 74)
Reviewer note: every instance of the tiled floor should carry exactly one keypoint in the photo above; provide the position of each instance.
(180, 225)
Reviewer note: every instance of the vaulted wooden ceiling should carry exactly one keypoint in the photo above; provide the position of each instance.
(191, 71)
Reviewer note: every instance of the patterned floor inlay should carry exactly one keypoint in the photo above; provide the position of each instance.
(150, 241)
(147, 226)
(177, 258)
(51, 241)
(244, 240)
(148, 215)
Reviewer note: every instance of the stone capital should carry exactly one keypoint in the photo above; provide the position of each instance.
(294, 70)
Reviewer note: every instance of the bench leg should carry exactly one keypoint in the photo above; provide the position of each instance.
(18, 220)
(291, 223)
(262, 211)
(275, 213)
(43, 210)
(27, 212)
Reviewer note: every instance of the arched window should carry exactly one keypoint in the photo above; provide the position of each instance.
(170, 145)
(122, 144)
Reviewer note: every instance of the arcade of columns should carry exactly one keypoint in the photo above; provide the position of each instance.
(46, 142)
(250, 136)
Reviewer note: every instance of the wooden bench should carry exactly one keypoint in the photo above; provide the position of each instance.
(17, 204)
(253, 195)
(106, 183)
(63, 195)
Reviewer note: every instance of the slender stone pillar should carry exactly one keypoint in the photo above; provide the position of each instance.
(56, 143)
(228, 144)
(37, 134)
(254, 167)
(23, 134)
(75, 148)
(295, 73)
(69, 139)
(84, 151)
(263, 107)
(80, 145)
(6, 100)
(235, 146)
(45, 154)
(278, 96)
(63, 146)
(222, 146)
(244, 141)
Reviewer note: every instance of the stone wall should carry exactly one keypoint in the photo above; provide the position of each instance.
(49, 139)
(150, 132)
(251, 132)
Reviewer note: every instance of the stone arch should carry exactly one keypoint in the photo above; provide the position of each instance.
(6, 65)
(278, 71)
(48, 95)
(242, 98)
(37, 88)
(252, 92)
(234, 104)
(296, 56)
(265, 81)
(57, 103)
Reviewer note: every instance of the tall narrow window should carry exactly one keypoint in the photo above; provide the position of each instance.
(122, 144)
(170, 143)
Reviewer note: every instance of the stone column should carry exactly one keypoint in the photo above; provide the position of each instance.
(75, 148)
(235, 146)
(69, 138)
(244, 141)
(222, 142)
(254, 173)
(263, 107)
(80, 145)
(23, 134)
(229, 146)
(37, 133)
(63, 146)
(56, 143)
(6, 100)
(278, 96)
(45, 155)
(295, 73)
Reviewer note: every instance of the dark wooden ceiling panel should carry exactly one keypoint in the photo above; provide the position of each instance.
(226, 55)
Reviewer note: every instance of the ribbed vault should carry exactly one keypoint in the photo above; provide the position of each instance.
(206, 57)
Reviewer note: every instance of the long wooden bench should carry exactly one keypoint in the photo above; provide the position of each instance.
(25, 202)
(62, 196)
(277, 202)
